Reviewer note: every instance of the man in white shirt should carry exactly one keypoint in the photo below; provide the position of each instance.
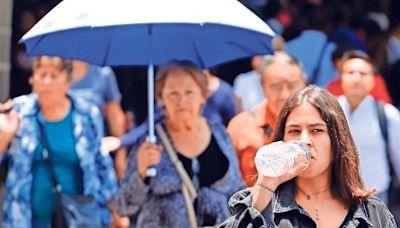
(361, 112)
(247, 86)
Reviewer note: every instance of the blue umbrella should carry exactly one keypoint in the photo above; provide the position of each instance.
(150, 32)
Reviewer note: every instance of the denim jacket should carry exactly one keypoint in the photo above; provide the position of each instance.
(99, 178)
(160, 203)
(283, 211)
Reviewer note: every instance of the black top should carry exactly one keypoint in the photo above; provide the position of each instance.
(211, 165)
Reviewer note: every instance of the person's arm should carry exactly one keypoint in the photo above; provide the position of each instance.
(265, 187)
(263, 192)
(9, 124)
(116, 123)
(251, 207)
(103, 164)
(114, 116)
(5, 140)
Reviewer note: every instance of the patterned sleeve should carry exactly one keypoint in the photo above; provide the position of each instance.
(133, 191)
(103, 161)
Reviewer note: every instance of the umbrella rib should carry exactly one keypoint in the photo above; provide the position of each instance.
(107, 49)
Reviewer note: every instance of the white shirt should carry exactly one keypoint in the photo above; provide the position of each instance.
(364, 127)
(248, 87)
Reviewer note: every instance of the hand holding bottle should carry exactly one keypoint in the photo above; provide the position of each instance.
(277, 163)
(277, 158)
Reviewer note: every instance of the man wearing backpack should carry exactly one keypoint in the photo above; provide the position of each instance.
(379, 148)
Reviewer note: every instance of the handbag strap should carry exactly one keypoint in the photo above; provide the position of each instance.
(175, 160)
(46, 157)
(188, 189)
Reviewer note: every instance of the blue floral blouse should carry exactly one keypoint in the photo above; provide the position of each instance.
(99, 178)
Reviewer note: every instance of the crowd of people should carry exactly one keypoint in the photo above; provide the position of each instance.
(332, 87)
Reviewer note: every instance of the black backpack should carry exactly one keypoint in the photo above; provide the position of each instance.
(394, 189)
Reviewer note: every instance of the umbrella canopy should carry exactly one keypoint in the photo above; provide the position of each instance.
(150, 32)
(140, 32)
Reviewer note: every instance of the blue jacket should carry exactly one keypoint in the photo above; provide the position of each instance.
(99, 176)
(160, 202)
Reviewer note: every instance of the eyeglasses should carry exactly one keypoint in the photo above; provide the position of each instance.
(175, 97)
(361, 73)
(290, 85)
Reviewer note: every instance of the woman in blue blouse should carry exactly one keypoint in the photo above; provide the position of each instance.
(73, 130)
(203, 148)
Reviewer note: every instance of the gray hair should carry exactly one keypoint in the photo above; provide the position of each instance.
(281, 56)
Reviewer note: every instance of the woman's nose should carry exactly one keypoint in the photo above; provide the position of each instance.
(305, 137)
(47, 80)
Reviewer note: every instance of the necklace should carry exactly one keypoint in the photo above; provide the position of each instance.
(308, 196)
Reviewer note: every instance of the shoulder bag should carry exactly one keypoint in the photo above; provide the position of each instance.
(70, 210)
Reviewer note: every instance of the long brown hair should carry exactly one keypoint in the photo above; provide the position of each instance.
(346, 183)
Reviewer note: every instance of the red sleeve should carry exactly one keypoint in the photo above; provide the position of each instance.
(380, 91)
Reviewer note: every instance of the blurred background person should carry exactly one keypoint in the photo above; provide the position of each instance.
(73, 129)
(282, 75)
(393, 45)
(202, 147)
(98, 85)
(247, 86)
(312, 47)
(221, 105)
(329, 192)
(379, 91)
(361, 110)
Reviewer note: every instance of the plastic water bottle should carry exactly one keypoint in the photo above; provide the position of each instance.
(275, 159)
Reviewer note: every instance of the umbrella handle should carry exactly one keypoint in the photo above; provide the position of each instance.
(150, 101)
(151, 171)
(151, 138)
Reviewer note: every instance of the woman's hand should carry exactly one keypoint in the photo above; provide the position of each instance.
(111, 143)
(117, 221)
(9, 120)
(148, 155)
(9, 124)
(265, 187)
